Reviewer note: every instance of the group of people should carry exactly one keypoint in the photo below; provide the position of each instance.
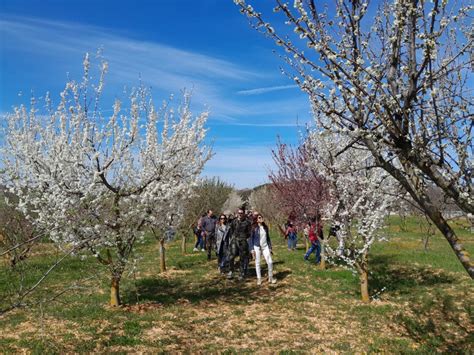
(244, 236)
(247, 236)
(312, 231)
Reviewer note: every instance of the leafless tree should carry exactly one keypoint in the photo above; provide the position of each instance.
(210, 193)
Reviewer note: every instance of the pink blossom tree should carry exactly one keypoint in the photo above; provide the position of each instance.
(300, 187)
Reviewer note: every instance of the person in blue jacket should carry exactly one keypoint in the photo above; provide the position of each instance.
(260, 244)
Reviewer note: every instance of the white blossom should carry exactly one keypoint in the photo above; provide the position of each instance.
(98, 182)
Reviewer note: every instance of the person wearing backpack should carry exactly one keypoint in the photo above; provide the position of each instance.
(291, 235)
(315, 235)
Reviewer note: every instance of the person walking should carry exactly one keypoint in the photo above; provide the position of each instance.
(240, 232)
(199, 241)
(292, 236)
(222, 242)
(260, 244)
(315, 234)
(306, 235)
(209, 228)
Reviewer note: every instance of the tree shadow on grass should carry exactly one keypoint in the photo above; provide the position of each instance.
(281, 275)
(189, 264)
(279, 262)
(179, 290)
(168, 291)
(437, 320)
(388, 275)
(441, 323)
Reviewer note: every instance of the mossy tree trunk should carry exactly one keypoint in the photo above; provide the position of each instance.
(363, 269)
(116, 268)
(115, 291)
(162, 255)
(364, 287)
(322, 265)
(183, 243)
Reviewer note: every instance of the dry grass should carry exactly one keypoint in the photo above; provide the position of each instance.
(191, 308)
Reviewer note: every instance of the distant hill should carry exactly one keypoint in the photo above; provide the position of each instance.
(245, 193)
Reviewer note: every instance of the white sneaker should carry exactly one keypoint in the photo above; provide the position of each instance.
(272, 281)
(203, 250)
(195, 249)
(259, 282)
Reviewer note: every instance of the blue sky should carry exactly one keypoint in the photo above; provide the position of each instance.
(205, 45)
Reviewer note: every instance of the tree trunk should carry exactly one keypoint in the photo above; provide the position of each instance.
(363, 269)
(183, 244)
(322, 265)
(426, 240)
(409, 181)
(403, 223)
(115, 292)
(470, 218)
(162, 255)
(452, 239)
(364, 286)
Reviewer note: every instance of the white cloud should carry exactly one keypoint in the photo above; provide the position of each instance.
(168, 69)
(165, 68)
(265, 90)
(269, 124)
(139, 56)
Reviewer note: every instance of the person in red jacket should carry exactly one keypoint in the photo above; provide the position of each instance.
(315, 235)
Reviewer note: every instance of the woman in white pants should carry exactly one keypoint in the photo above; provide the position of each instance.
(260, 244)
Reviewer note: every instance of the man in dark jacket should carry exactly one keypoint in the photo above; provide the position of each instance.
(208, 225)
(240, 231)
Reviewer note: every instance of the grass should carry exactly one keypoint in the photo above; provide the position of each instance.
(422, 304)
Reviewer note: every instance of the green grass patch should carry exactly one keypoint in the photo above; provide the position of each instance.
(422, 302)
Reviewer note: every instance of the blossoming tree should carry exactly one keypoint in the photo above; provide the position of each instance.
(398, 76)
(96, 183)
(360, 198)
(300, 190)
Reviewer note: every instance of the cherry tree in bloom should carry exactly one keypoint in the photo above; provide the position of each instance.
(300, 190)
(397, 74)
(96, 183)
(360, 198)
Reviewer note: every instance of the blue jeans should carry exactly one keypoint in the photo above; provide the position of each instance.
(199, 242)
(315, 247)
(292, 241)
(223, 255)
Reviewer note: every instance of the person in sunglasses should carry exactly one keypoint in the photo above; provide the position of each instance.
(260, 244)
(240, 231)
(222, 242)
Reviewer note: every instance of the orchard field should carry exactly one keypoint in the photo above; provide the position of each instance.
(421, 303)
